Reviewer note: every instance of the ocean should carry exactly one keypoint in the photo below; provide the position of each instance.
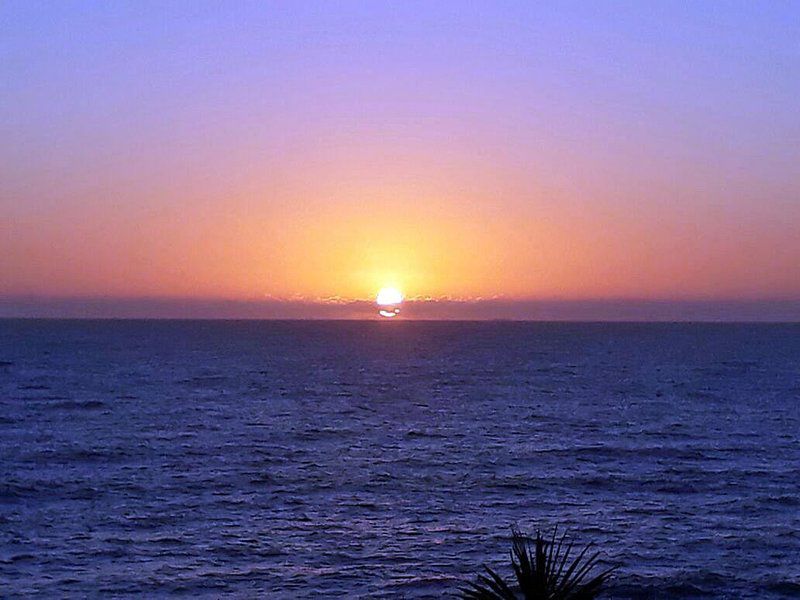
(280, 459)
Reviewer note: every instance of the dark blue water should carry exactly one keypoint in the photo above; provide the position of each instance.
(388, 460)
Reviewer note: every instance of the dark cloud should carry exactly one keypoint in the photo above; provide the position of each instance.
(538, 310)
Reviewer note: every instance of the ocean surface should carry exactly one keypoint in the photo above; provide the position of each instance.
(390, 459)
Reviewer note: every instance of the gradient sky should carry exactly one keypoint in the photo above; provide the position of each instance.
(303, 150)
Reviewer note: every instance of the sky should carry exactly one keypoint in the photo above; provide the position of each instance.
(299, 156)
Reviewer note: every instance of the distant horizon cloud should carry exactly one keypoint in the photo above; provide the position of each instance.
(633, 310)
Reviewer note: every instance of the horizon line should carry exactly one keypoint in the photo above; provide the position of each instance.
(415, 320)
(744, 310)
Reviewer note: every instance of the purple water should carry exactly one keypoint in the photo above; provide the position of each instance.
(389, 460)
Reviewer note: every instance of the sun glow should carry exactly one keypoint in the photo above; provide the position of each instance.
(389, 300)
(389, 296)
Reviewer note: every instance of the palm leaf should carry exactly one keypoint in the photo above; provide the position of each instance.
(543, 571)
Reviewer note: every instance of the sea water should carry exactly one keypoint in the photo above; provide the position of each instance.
(390, 459)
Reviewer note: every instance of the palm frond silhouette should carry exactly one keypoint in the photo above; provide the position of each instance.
(544, 570)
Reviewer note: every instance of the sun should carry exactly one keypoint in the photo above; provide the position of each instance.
(389, 300)
(389, 296)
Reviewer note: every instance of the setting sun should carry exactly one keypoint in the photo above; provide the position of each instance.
(389, 300)
(388, 296)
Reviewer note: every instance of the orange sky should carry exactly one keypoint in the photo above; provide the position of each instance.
(311, 155)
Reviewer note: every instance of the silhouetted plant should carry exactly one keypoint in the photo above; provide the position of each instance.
(543, 570)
